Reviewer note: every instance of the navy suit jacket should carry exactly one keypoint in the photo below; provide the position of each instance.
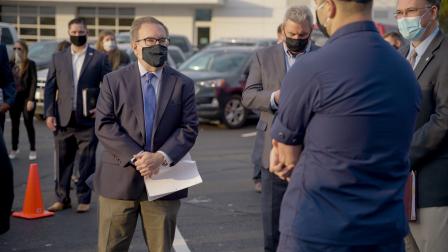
(60, 79)
(6, 78)
(120, 127)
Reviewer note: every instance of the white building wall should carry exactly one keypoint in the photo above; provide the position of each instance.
(231, 18)
(64, 13)
(179, 20)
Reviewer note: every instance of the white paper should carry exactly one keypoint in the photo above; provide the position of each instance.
(172, 179)
(413, 206)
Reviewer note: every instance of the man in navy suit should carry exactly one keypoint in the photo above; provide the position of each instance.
(72, 71)
(146, 117)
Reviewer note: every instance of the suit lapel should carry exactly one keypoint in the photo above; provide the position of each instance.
(279, 61)
(68, 59)
(428, 55)
(87, 59)
(166, 90)
(136, 97)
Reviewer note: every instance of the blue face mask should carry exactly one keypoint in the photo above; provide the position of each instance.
(411, 27)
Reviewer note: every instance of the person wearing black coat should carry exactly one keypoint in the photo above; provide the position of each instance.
(25, 77)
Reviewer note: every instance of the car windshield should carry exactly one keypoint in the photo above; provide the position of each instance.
(216, 61)
(42, 51)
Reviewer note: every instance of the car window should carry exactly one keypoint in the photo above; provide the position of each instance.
(216, 62)
(6, 38)
(176, 56)
(42, 52)
(180, 42)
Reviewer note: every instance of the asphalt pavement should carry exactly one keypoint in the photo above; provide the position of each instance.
(221, 214)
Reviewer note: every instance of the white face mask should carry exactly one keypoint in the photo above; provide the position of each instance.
(17, 57)
(109, 45)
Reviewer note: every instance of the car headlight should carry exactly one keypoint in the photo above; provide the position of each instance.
(211, 83)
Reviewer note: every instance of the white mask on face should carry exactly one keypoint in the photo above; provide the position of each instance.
(17, 57)
(109, 45)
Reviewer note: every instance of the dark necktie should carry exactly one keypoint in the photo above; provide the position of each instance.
(412, 58)
(149, 102)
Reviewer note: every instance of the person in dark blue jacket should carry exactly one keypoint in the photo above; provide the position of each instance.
(342, 136)
(6, 172)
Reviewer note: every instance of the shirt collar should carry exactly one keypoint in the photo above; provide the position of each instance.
(353, 28)
(80, 53)
(421, 49)
(307, 49)
(143, 71)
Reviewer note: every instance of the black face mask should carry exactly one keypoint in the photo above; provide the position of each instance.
(296, 45)
(78, 40)
(155, 55)
(322, 28)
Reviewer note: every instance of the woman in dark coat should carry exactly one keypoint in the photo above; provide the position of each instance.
(25, 77)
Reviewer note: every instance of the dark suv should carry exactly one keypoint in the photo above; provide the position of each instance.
(220, 76)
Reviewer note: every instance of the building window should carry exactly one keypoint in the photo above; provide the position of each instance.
(107, 18)
(33, 23)
(203, 15)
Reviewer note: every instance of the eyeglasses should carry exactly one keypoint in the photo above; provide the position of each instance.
(17, 48)
(149, 41)
(409, 12)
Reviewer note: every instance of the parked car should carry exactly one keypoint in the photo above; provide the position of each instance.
(8, 36)
(251, 42)
(220, 75)
(184, 44)
(41, 52)
(176, 54)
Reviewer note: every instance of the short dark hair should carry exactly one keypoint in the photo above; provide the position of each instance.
(78, 20)
(279, 28)
(434, 2)
(395, 35)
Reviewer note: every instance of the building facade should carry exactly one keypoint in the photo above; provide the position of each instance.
(199, 20)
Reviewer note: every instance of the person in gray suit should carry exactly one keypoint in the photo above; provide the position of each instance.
(427, 53)
(73, 71)
(146, 118)
(262, 93)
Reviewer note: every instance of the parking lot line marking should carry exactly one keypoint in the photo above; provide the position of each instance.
(179, 243)
(250, 134)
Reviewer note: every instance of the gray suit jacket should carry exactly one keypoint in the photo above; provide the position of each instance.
(429, 147)
(267, 71)
(60, 78)
(120, 127)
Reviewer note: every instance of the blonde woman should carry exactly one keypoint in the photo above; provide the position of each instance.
(107, 43)
(25, 78)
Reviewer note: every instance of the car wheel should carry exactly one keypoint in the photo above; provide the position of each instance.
(234, 114)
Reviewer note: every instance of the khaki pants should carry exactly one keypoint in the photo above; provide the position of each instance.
(118, 218)
(430, 232)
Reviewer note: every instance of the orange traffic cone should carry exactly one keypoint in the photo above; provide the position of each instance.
(33, 205)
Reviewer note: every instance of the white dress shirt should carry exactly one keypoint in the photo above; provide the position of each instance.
(77, 62)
